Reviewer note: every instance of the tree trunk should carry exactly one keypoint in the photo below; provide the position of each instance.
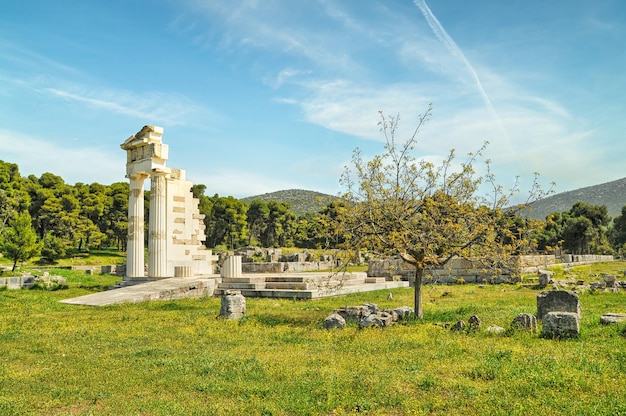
(419, 274)
(14, 265)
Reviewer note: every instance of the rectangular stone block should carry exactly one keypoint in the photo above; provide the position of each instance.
(557, 301)
(178, 209)
(561, 325)
(178, 198)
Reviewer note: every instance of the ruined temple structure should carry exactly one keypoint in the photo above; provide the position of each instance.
(175, 229)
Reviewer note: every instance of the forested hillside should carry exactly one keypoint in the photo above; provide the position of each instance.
(44, 216)
(300, 200)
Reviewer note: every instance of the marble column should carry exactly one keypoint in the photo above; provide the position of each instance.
(157, 227)
(135, 249)
(232, 267)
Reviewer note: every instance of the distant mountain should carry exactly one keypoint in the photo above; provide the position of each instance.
(612, 194)
(300, 200)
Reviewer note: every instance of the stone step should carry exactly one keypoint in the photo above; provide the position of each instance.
(239, 286)
(291, 285)
(375, 280)
(247, 279)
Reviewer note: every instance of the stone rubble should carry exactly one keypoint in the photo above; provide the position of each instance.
(368, 315)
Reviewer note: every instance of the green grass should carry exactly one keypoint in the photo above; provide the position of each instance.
(176, 358)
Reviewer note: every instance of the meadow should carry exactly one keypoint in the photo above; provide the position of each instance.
(177, 358)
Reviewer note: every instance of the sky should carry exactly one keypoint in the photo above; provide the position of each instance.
(257, 96)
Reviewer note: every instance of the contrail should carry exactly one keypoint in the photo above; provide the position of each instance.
(449, 43)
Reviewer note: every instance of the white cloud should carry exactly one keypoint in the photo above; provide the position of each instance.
(239, 183)
(36, 155)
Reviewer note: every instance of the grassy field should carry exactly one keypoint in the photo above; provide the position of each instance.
(176, 358)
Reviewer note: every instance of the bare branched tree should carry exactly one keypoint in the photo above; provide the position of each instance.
(429, 213)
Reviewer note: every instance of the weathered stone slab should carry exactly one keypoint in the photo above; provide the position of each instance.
(334, 320)
(379, 319)
(612, 318)
(557, 301)
(610, 280)
(474, 323)
(404, 312)
(561, 325)
(458, 326)
(163, 289)
(526, 321)
(545, 278)
(495, 329)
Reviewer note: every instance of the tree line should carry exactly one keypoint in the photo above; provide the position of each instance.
(44, 216)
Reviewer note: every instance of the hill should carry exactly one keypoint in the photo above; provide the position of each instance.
(300, 200)
(612, 194)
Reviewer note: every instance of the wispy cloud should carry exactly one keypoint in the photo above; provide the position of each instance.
(454, 49)
(170, 109)
(149, 107)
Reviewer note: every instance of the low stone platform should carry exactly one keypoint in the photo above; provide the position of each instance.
(310, 285)
(164, 289)
(289, 286)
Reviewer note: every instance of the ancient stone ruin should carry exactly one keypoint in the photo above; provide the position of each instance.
(233, 305)
(560, 312)
(368, 315)
(557, 301)
(176, 229)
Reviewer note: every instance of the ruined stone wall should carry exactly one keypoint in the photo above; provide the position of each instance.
(186, 252)
(473, 272)
(282, 267)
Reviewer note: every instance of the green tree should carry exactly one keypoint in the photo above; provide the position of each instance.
(54, 248)
(114, 221)
(257, 217)
(425, 213)
(227, 223)
(577, 234)
(280, 226)
(20, 240)
(618, 232)
(6, 210)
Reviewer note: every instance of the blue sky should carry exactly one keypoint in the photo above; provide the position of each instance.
(262, 95)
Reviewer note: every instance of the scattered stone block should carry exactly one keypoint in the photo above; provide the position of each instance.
(561, 325)
(334, 320)
(545, 278)
(597, 285)
(392, 313)
(233, 305)
(459, 326)
(20, 282)
(404, 312)
(525, 321)
(376, 320)
(610, 280)
(495, 329)
(474, 323)
(354, 313)
(612, 318)
(557, 301)
(371, 307)
(50, 282)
